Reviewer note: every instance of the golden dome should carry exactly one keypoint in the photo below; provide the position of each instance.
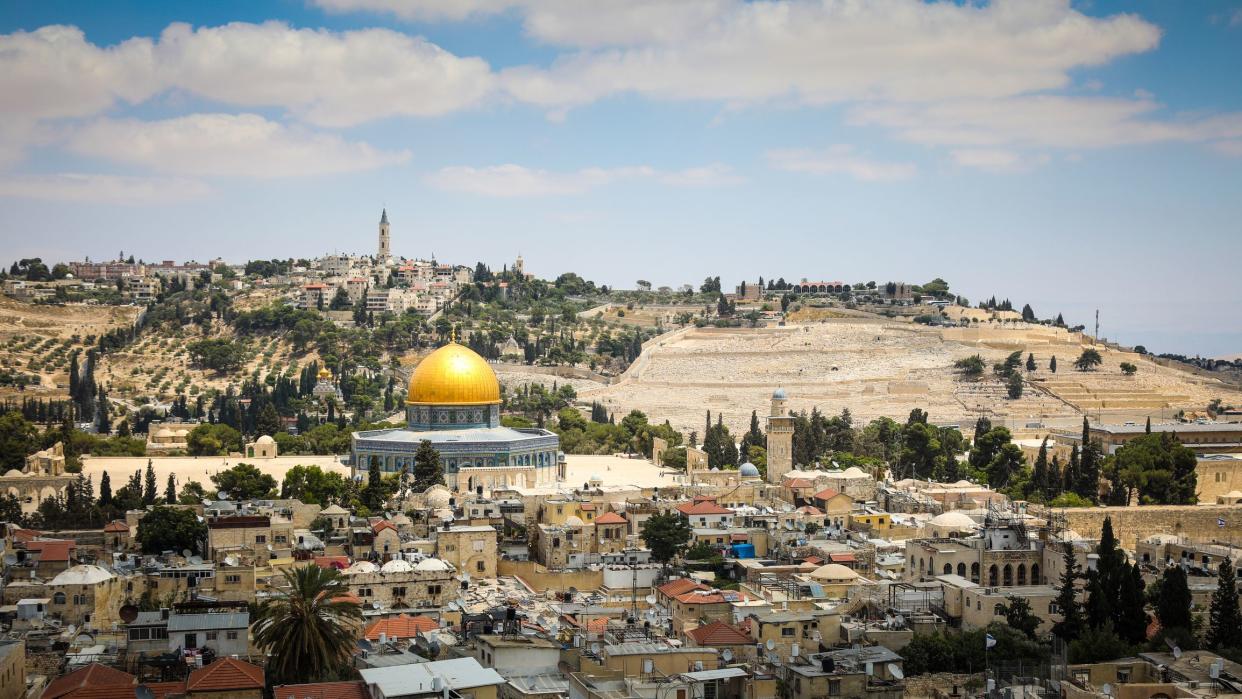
(453, 375)
(325, 374)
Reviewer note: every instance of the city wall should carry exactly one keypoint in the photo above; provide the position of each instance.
(1199, 522)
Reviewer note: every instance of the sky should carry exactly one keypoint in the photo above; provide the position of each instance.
(1071, 155)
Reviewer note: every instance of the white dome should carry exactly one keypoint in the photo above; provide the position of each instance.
(13, 473)
(437, 497)
(833, 571)
(573, 521)
(595, 478)
(82, 575)
(431, 565)
(748, 470)
(265, 440)
(953, 522)
(854, 472)
(362, 567)
(779, 394)
(396, 565)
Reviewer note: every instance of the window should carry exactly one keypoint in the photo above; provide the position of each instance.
(232, 578)
(398, 592)
(834, 688)
(433, 590)
(999, 610)
(364, 592)
(231, 635)
(787, 632)
(260, 538)
(212, 635)
(281, 538)
(1123, 674)
(481, 566)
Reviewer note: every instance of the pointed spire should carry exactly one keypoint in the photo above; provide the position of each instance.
(384, 216)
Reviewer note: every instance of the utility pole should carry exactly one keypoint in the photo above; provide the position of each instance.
(1097, 325)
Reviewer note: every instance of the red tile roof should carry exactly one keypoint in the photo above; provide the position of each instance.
(810, 510)
(798, 483)
(93, 675)
(116, 525)
(323, 690)
(52, 550)
(703, 508)
(225, 674)
(610, 518)
(401, 626)
(587, 507)
(711, 597)
(338, 562)
(24, 535)
(842, 557)
(814, 560)
(718, 633)
(739, 536)
(681, 586)
(826, 494)
(382, 525)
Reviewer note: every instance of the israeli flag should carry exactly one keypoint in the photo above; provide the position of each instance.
(989, 641)
(1220, 521)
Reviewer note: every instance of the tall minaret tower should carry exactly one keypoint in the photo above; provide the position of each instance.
(780, 438)
(385, 249)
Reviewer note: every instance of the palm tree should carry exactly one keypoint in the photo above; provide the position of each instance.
(308, 630)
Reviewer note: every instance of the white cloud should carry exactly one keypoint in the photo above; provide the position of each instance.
(102, 189)
(996, 160)
(1043, 121)
(1233, 148)
(843, 50)
(513, 181)
(325, 78)
(840, 159)
(245, 145)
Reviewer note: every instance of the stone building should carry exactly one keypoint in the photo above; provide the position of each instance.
(429, 584)
(470, 549)
(262, 448)
(251, 537)
(42, 477)
(87, 594)
(163, 437)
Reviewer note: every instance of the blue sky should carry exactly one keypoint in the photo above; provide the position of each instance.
(1072, 156)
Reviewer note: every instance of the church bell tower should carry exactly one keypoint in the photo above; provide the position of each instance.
(385, 249)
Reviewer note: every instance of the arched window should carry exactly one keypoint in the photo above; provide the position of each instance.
(922, 567)
(1034, 573)
(961, 569)
(1008, 575)
(58, 598)
(992, 575)
(999, 610)
(974, 573)
(948, 568)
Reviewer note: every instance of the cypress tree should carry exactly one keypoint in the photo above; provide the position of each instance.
(1071, 625)
(149, 487)
(170, 491)
(1039, 477)
(1088, 484)
(1132, 619)
(105, 490)
(1224, 618)
(1030, 362)
(1173, 605)
(1147, 429)
(1052, 364)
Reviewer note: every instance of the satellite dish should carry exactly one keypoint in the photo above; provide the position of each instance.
(895, 670)
(815, 636)
(230, 560)
(129, 613)
(196, 560)
(771, 644)
(650, 599)
(594, 649)
(222, 495)
(726, 655)
(186, 553)
(1177, 653)
(1215, 668)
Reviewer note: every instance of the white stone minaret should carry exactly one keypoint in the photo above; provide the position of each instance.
(780, 438)
(385, 249)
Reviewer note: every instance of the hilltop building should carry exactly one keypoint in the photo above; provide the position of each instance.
(385, 242)
(454, 402)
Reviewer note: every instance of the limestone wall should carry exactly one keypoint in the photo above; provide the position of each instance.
(1133, 523)
(537, 577)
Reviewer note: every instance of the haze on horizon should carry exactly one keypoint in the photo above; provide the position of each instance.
(1072, 156)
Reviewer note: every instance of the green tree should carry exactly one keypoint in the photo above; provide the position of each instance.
(307, 627)
(313, 485)
(427, 471)
(1030, 361)
(1099, 645)
(1173, 600)
(217, 354)
(170, 529)
(1052, 364)
(1013, 385)
(666, 534)
(245, 482)
(18, 438)
(1128, 368)
(192, 493)
(11, 510)
(1224, 618)
(1071, 625)
(1018, 615)
(1088, 360)
(105, 490)
(212, 440)
(268, 421)
(1132, 615)
(971, 367)
(170, 490)
(149, 489)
